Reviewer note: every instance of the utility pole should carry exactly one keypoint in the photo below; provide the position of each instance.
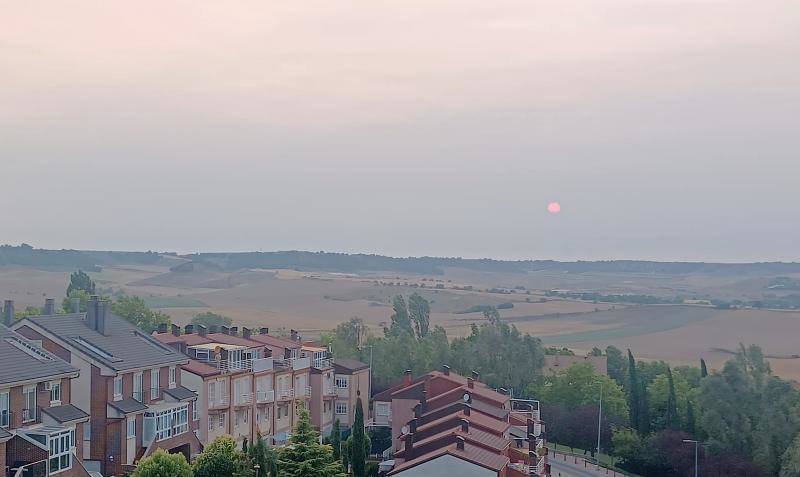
(696, 445)
(599, 425)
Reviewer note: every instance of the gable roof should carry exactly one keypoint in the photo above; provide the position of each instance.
(347, 366)
(23, 361)
(471, 453)
(65, 413)
(124, 347)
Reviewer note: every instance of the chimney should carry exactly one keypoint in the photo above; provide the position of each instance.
(470, 383)
(476, 375)
(213, 329)
(407, 378)
(91, 313)
(534, 459)
(8, 312)
(424, 401)
(467, 410)
(234, 330)
(418, 410)
(409, 447)
(202, 330)
(176, 330)
(446, 370)
(49, 306)
(162, 328)
(263, 331)
(75, 305)
(531, 442)
(465, 425)
(246, 333)
(294, 335)
(102, 316)
(188, 329)
(226, 330)
(413, 425)
(530, 426)
(460, 443)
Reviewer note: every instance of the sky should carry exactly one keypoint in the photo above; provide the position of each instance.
(666, 129)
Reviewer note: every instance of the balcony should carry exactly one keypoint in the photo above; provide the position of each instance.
(323, 363)
(296, 364)
(218, 402)
(263, 364)
(285, 394)
(244, 399)
(265, 396)
(302, 391)
(226, 366)
(330, 392)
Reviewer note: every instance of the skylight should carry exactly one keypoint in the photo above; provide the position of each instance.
(29, 349)
(94, 349)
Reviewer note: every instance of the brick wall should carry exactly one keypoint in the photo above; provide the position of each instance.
(3, 459)
(98, 418)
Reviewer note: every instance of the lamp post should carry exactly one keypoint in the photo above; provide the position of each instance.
(696, 444)
(256, 467)
(599, 424)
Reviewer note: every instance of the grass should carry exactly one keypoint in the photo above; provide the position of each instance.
(173, 302)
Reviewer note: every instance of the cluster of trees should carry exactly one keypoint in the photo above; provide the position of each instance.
(601, 298)
(498, 351)
(747, 419)
(303, 457)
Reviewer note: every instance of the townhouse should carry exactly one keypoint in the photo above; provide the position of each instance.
(444, 424)
(352, 380)
(39, 425)
(129, 384)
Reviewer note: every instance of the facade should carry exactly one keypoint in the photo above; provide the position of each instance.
(352, 381)
(129, 384)
(444, 423)
(39, 425)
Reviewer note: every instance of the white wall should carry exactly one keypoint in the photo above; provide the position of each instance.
(447, 466)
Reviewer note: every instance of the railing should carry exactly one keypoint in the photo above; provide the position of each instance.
(330, 391)
(138, 396)
(293, 363)
(29, 416)
(302, 391)
(244, 399)
(263, 364)
(218, 401)
(323, 363)
(265, 396)
(284, 394)
(229, 366)
(34, 468)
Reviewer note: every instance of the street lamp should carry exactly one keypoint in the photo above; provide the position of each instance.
(696, 444)
(256, 467)
(599, 425)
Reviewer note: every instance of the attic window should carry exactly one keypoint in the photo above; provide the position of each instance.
(94, 349)
(29, 349)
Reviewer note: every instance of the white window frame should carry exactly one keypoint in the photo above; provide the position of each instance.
(155, 382)
(383, 409)
(169, 422)
(221, 420)
(118, 388)
(173, 381)
(131, 428)
(31, 406)
(342, 382)
(212, 393)
(342, 411)
(5, 408)
(195, 411)
(138, 382)
(211, 423)
(55, 393)
(60, 450)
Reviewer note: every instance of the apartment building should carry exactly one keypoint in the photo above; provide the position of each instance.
(248, 384)
(444, 424)
(352, 380)
(39, 425)
(129, 384)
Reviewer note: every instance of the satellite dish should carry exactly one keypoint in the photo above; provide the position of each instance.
(466, 397)
(404, 430)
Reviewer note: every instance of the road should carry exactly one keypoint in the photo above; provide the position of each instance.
(559, 468)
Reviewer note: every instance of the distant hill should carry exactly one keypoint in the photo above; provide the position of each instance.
(25, 255)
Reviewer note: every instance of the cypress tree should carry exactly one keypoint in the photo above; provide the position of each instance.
(644, 410)
(358, 453)
(690, 418)
(671, 420)
(336, 440)
(703, 368)
(634, 399)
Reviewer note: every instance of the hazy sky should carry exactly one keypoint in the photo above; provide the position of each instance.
(667, 129)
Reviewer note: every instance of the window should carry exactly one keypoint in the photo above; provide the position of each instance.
(195, 412)
(155, 377)
(167, 423)
(382, 409)
(60, 454)
(131, 428)
(118, 388)
(29, 401)
(341, 408)
(202, 354)
(342, 382)
(212, 393)
(172, 380)
(137, 387)
(221, 421)
(55, 393)
(5, 410)
(210, 423)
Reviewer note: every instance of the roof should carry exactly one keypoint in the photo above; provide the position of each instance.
(199, 368)
(181, 393)
(471, 453)
(479, 420)
(275, 341)
(191, 339)
(127, 406)
(476, 436)
(232, 340)
(65, 413)
(346, 366)
(5, 435)
(24, 361)
(125, 347)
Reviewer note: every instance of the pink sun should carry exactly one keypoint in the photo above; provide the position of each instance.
(554, 207)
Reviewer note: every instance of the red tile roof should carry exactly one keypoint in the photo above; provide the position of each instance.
(190, 339)
(487, 423)
(200, 369)
(476, 436)
(471, 453)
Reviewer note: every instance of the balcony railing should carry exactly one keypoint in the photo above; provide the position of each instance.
(226, 366)
(302, 391)
(323, 363)
(263, 364)
(284, 394)
(265, 396)
(296, 364)
(218, 401)
(29, 416)
(244, 399)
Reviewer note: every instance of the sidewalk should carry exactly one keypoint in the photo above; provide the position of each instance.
(575, 466)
